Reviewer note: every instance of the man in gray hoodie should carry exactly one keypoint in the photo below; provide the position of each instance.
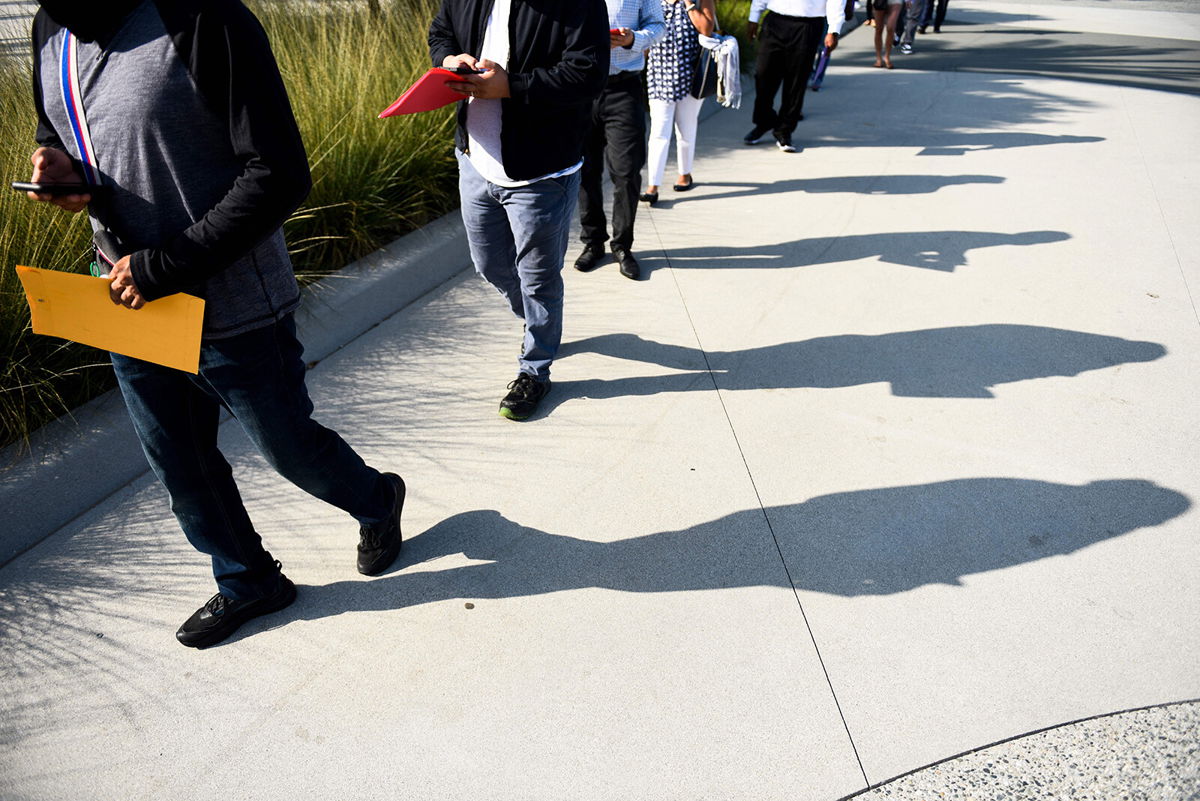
(174, 112)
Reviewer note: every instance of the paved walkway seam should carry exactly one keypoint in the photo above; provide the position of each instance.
(758, 498)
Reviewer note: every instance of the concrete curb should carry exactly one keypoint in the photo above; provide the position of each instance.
(93, 449)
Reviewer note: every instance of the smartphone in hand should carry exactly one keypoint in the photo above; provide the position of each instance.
(55, 189)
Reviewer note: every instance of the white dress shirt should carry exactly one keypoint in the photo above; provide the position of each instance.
(833, 10)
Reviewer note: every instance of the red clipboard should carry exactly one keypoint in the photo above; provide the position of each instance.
(429, 92)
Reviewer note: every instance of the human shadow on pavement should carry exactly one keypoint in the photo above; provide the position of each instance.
(952, 362)
(850, 184)
(870, 542)
(988, 112)
(930, 250)
(1135, 61)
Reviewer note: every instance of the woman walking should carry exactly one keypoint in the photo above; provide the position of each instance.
(670, 65)
(885, 15)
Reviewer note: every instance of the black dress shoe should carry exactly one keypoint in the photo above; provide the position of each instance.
(222, 616)
(648, 197)
(379, 543)
(589, 260)
(684, 187)
(629, 265)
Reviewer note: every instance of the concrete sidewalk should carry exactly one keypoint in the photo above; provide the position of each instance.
(890, 458)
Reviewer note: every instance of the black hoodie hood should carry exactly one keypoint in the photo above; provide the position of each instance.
(89, 20)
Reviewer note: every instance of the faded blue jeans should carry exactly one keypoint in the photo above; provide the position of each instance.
(259, 377)
(518, 237)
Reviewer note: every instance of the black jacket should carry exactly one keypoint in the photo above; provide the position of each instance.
(558, 65)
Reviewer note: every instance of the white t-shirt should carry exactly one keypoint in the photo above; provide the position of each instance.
(483, 115)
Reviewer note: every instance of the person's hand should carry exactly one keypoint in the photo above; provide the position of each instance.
(751, 30)
(491, 84)
(121, 288)
(461, 60)
(53, 166)
(831, 41)
(622, 38)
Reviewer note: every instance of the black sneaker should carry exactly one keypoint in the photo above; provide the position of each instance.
(784, 143)
(524, 395)
(222, 616)
(755, 136)
(379, 543)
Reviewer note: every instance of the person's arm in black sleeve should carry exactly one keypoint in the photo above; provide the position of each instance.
(230, 59)
(442, 41)
(581, 73)
(43, 29)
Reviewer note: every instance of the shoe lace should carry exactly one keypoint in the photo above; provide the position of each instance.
(368, 537)
(523, 384)
(216, 604)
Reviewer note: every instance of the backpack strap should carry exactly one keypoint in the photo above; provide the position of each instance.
(73, 100)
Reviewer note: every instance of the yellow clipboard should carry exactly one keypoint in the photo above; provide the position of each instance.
(77, 307)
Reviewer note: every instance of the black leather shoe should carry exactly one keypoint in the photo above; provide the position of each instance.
(222, 616)
(648, 197)
(629, 265)
(379, 543)
(524, 395)
(589, 260)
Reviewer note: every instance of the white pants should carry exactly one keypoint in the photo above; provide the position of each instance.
(681, 114)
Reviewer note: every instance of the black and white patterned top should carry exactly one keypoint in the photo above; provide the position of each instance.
(672, 60)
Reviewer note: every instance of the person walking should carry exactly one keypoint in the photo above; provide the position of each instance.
(938, 17)
(914, 12)
(519, 141)
(887, 13)
(617, 137)
(195, 173)
(670, 66)
(787, 47)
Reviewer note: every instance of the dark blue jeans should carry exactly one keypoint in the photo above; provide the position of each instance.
(518, 237)
(259, 377)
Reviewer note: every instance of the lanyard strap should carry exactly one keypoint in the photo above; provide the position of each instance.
(73, 100)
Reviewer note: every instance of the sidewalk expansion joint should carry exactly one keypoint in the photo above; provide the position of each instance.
(761, 507)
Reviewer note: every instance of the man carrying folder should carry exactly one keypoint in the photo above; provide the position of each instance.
(519, 141)
(174, 112)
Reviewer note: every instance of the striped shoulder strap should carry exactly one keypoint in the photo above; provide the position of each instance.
(73, 100)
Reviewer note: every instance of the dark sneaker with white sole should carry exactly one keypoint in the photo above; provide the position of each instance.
(755, 136)
(222, 616)
(524, 395)
(379, 543)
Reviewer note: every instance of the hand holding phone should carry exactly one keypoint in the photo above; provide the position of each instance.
(54, 189)
(57, 181)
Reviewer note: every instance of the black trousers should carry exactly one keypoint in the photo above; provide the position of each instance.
(939, 18)
(618, 136)
(786, 48)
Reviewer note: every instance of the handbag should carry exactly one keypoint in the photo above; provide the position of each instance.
(704, 75)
